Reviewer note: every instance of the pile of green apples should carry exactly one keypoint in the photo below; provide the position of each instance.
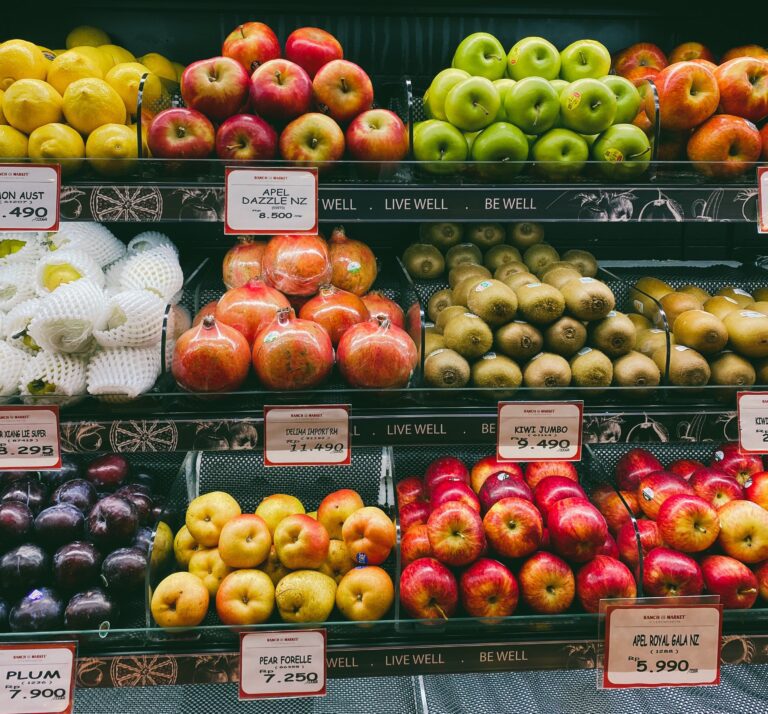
(559, 108)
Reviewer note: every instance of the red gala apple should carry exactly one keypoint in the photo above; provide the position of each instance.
(245, 137)
(547, 584)
(733, 581)
(745, 51)
(757, 489)
(616, 509)
(764, 139)
(685, 467)
(744, 531)
(453, 491)
(657, 487)
(181, 133)
(688, 95)
(641, 54)
(251, 44)
(503, 485)
(313, 139)
(488, 589)
(743, 85)
(428, 590)
(513, 527)
(689, 51)
(635, 464)
(311, 48)
(715, 486)
(377, 135)
(412, 514)
(603, 578)
(342, 90)
(539, 470)
(217, 87)
(668, 573)
(280, 90)
(724, 146)
(456, 534)
(577, 529)
(446, 468)
(626, 540)
(409, 490)
(688, 523)
(490, 465)
(761, 573)
(609, 548)
(555, 488)
(737, 463)
(415, 544)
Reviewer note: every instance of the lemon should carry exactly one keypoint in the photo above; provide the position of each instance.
(20, 59)
(30, 103)
(179, 68)
(91, 103)
(87, 35)
(125, 79)
(118, 54)
(101, 58)
(48, 57)
(71, 66)
(60, 142)
(112, 149)
(145, 152)
(3, 120)
(158, 64)
(13, 144)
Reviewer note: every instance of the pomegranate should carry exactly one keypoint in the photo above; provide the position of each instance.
(242, 262)
(210, 357)
(291, 353)
(380, 305)
(353, 263)
(296, 265)
(336, 310)
(377, 354)
(250, 308)
(208, 309)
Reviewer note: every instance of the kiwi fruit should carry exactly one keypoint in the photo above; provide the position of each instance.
(615, 334)
(539, 303)
(645, 293)
(446, 369)
(438, 302)
(699, 293)
(519, 279)
(760, 294)
(674, 304)
(547, 370)
(493, 302)
(460, 293)
(498, 371)
(539, 256)
(558, 274)
(636, 370)
(761, 369)
(463, 253)
(582, 260)
(508, 269)
(445, 316)
(591, 368)
(648, 341)
(588, 299)
(441, 235)
(730, 369)
(433, 340)
(565, 337)
(640, 321)
(465, 270)
(720, 306)
(518, 340)
(748, 332)
(701, 331)
(740, 296)
(486, 235)
(468, 335)
(423, 261)
(759, 306)
(687, 367)
(524, 235)
(500, 255)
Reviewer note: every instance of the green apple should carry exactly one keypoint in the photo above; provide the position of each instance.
(532, 139)
(470, 136)
(589, 138)
(559, 85)
(622, 151)
(533, 105)
(533, 57)
(587, 106)
(503, 85)
(628, 99)
(473, 104)
(444, 82)
(425, 104)
(560, 154)
(482, 55)
(439, 144)
(584, 59)
(505, 146)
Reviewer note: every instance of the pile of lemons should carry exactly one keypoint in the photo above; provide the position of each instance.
(68, 106)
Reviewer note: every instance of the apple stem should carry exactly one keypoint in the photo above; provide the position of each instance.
(644, 151)
(582, 59)
(313, 142)
(441, 611)
(477, 104)
(344, 85)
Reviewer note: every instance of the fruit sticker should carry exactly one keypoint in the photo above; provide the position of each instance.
(482, 286)
(513, 55)
(573, 100)
(613, 155)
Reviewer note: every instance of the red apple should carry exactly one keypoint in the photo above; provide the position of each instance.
(456, 534)
(503, 485)
(711, 66)
(555, 488)
(635, 464)
(642, 54)
(547, 584)
(764, 139)
(672, 148)
(539, 470)
(685, 468)
(757, 489)
(513, 527)
(744, 531)
(245, 137)
(737, 463)
(668, 573)
(688, 95)
(251, 44)
(280, 90)
(743, 85)
(446, 468)
(428, 590)
(609, 548)
(415, 544)
(577, 529)
(217, 87)
(715, 486)
(453, 491)
(180, 133)
(490, 465)
(626, 540)
(688, 523)
(745, 51)
(733, 581)
(689, 51)
(616, 507)
(412, 514)
(657, 487)
(603, 578)
(724, 146)
(761, 573)
(311, 48)
(639, 76)
(312, 139)
(409, 490)
(377, 135)
(488, 589)
(342, 90)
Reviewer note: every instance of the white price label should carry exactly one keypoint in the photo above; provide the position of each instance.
(529, 431)
(270, 201)
(752, 409)
(282, 664)
(29, 438)
(37, 679)
(662, 645)
(29, 197)
(307, 435)
(762, 199)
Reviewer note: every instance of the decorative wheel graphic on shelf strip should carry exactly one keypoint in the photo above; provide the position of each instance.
(129, 436)
(126, 203)
(90, 672)
(79, 437)
(71, 205)
(143, 671)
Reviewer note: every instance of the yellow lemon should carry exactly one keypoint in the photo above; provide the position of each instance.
(112, 149)
(158, 64)
(30, 103)
(118, 54)
(20, 59)
(125, 79)
(71, 66)
(91, 103)
(87, 35)
(145, 152)
(48, 57)
(57, 142)
(59, 52)
(3, 120)
(13, 144)
(179, 69)
(103, 59)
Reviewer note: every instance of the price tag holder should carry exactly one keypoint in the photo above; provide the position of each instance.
(29, 197)
(270, 201)
(762, 199)
(528, 431)
(37, 678)
(652, 643)
(752, 411)
(30, 439)
(275, 665)
(307, 435)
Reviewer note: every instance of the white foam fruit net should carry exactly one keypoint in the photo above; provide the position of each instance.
(156, 269)
(49, 376)
(131, 318)
(13, 362)
(16, 284)
(56, 269)
(147, 240)
(22, 247)
(16, 324)
(123, 373)
(93, 238)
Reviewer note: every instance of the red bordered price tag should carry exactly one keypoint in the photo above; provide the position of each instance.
(528, 431)
(270, 201)
(29, 197)
(37, 678)
(762, 199)
(282, 664)
(29, 438)
(307, 435)
(752, 410)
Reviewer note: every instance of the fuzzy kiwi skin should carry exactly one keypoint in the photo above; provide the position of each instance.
(517, 280)
(565, 337)
(493, 301)
(748, 333)
(438, 302)
(720, 306)
(648, 341)
(547, 371)
(687, 367)
(444, 316)
(486, 235)
(446, 369)
(509, 269)
(700, 330)
(500, 255)
(539, 256)
(433, 341)
(636, 370)
(588, 299)
(559, 275)
(518, 340)
(583, 261)
(730, 369)
(496, 371)
(640, 321)
(463, 253)
(591, 368)
(423, 261)
(466, 270)
(539, 303)
(615, 334)
(460, 293)
(468, 335)
(524, 235)
(441, 235)
(645, 294)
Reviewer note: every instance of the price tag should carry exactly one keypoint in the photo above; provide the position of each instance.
(29, 438)
(270, 201)
(657, 645)
(307, 435)
(37, 679)
(528, 431)
(29, 197)
(762, 199)
(282, 664)
(752, 410)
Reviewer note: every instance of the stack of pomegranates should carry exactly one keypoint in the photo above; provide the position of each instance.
(255, 321)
